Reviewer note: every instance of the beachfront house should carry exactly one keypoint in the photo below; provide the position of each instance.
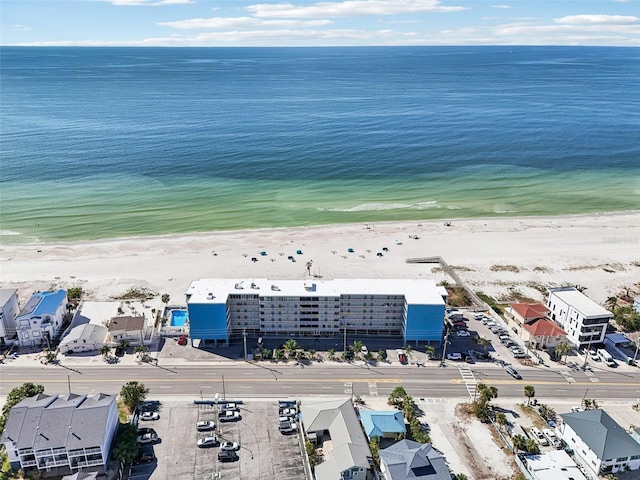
(9, 310)
(583, 319)
(136, 330)
(602, 444)
(87, 337)
(411, 310)
(334, 428)
(61, 434)
(409, 460)
(42, 318)
(531, 323)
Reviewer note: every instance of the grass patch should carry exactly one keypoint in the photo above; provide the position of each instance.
(490, 301)
(137, 293)
(462, 269)
(504, 268)
(123, 412)
(541, 269)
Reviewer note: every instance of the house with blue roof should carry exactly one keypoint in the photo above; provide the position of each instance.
(42, 318)
(385, 424)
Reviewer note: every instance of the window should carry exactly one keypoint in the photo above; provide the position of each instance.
(621, 459)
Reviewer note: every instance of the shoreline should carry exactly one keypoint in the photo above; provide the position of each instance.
(493, 255)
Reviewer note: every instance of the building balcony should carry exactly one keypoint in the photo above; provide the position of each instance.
(28, 463)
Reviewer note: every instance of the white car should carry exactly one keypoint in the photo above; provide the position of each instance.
(553, 439)
(149, 416)
(229, 416)
(594, 355)
(147, 438)
(228, 407)
(364, 349)
(463, 333)
(538, 437)
(454, 356)
(205, 442)
(205, 425)
(230, 446)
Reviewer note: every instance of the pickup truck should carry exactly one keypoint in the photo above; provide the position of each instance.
(229, 416)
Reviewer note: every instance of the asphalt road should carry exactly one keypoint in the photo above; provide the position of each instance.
(278, 380)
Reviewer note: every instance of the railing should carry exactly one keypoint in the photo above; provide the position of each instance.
(90, 463)
(28, 463)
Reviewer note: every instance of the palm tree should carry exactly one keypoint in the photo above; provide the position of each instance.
(133, 393)
(501, 420)
(532, 447)
(563, 348)
(105, 350)
(308, 265)
(290, 346)
(357, 348)
(483, 342)
(486, 392)
(409, 349)
(429, 350)
(611, 303)
(529, 392)
(519, 442)
(332, 354)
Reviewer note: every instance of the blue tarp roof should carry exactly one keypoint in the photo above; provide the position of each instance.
(377, 423)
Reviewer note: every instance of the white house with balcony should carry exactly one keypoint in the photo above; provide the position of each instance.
(42, 318)
(583, 319)
(61, 434)
(599, 441)
(9, 309)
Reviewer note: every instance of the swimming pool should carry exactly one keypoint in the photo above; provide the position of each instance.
(178, 318)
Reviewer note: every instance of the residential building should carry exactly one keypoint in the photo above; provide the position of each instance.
(409, 460)
(9, 309)
(554, 465)
(135, 330)
(385, 424)
(531, 323)
(61, 434)
(601, 444)
(334, 427)
(42, 318)
(411, 310)
(583, 319)
(87, 337)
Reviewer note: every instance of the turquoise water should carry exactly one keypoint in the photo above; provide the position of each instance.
(178, 318)
(110, 142)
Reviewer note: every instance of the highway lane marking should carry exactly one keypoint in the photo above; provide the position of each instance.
(231, 380)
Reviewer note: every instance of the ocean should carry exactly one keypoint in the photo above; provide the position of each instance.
(115, 142)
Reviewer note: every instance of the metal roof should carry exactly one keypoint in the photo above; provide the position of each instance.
(602, 434)
(580, 302)
(376, 423)
(407, 459)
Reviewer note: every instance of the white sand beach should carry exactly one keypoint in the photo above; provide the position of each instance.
(599, 252)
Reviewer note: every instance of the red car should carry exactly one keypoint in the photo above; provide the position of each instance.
(182, 340)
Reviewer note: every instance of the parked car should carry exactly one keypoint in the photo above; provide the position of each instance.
(553, 439)
(143, 430)
(463, 333)
(227, 456)
(538, 437)
(229, 416)
(454, 356)
(145, 455)
(288, 428)
(206, 442)
(229, 407)
(364, 349)
(577, 409)
(519, 354)
(288, 412)
(594, 355)
(287, 403)
(182, 340)
(205, 425)
(514, 373)
(149, 416)
(147, 438)
(231, 446)
(478, 316)
(402, 357)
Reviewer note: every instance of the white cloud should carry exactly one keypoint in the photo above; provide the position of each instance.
(240, 22)
(17, 28)
(597, 19)
(500, 6)
(350, 8)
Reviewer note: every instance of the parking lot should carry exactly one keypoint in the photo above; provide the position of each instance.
(263, 451)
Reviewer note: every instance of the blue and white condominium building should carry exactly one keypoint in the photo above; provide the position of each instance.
(410, 309)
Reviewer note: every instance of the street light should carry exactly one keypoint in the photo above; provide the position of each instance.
(444, 351)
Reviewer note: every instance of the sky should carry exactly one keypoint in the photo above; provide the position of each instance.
(319, 23)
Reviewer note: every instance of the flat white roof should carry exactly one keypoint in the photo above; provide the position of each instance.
(580, 302)
(554, 465)
(216, 290)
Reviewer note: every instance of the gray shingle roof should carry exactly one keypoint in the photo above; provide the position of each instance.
(407, 459)
(602, 434)
(66, 421)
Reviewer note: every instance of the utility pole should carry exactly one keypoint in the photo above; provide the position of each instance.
(69, 382)
(344, 349)
(444, 350)
(244, 339)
